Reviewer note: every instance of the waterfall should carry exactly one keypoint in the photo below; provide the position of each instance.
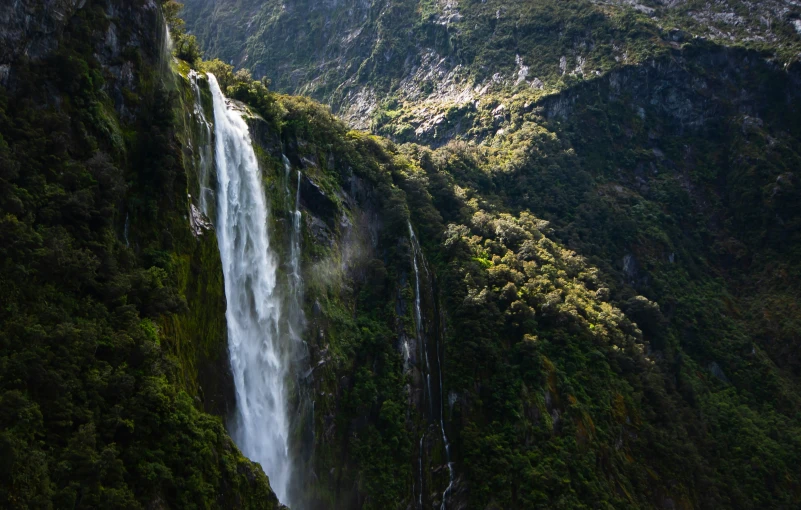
(420, 472)
(301, 405)
(447, 493)
(417, 252)
(294, 241)
(295, 319)
(126, 228)
(165, 45)
(259, 357)
(296, 217)
(418, 317)
(204, 149)
(287, 171)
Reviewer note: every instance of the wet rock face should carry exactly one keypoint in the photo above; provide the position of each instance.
(315, 199)
(198, 221)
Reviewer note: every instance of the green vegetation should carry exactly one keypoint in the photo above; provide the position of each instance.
(331, 51)
(396, 68)
(614, 266)
(604, 341)
(644, 382)
(185, 46)
(96, 259)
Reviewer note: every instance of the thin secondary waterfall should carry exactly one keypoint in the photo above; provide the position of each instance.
(295, 319)
(126, 228)
(417, 252)
(294, 241)
(295, 253)
(259, 357)
(418, 316)
(420, 472)
(204, 149)
(447, 493)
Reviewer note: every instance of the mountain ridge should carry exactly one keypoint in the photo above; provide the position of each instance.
(649, 168)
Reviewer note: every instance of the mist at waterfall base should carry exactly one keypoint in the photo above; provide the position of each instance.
(264, 312)
(258, 342)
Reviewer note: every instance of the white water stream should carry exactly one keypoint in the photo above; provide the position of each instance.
(417, 252)
(418, 317)
(294, 239)
(259, 353)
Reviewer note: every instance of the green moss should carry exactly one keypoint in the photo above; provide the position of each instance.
(111, 305)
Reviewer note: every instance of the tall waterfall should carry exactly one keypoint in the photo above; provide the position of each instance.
(418, 253)
(259, 353)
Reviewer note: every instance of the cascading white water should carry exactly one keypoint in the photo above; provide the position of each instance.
(259, 357)
(295, 319)
(417, 252)
(294, 242)
(296, 217)
(165, 55)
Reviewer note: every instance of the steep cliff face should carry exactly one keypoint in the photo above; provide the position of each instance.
(590, 301)
(33, 29)
(604, 205)
(362, 56)
(111, 305)
(522, 353)
(708, 139)
(351, 442)
(409, 65)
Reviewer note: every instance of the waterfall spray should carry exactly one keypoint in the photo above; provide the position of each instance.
(258, 353)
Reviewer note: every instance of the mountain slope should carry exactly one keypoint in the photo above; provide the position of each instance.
(102, 280)
(419, 60)
(579, 293)
(636, 349)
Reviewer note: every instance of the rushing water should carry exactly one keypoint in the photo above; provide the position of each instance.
(259, 358)
(421, 337)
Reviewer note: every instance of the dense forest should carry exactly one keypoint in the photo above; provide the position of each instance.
(548, 253)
